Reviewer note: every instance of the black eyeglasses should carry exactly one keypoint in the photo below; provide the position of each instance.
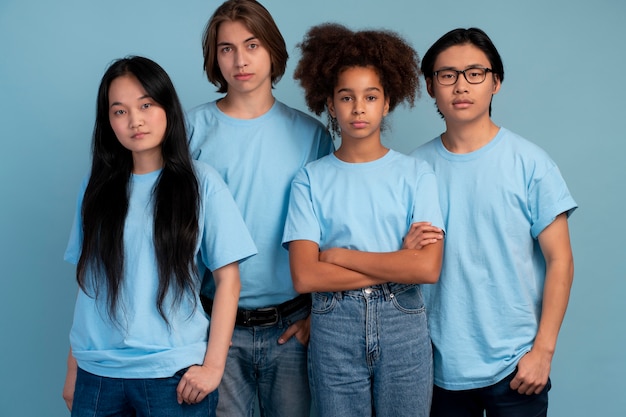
(473, 75)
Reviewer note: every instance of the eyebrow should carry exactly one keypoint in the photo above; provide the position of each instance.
(119, 103)
(349, 90)
(225, 43)
(467, 67)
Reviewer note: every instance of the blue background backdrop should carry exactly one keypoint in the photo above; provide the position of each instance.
(563, 89)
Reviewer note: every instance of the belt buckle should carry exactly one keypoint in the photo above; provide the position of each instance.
(251, 319)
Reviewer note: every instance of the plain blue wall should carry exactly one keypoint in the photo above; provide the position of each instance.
(564, 89)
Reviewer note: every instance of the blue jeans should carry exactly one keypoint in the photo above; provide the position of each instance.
(96, 396)
(370, 353)
(258, 368)
(497, 400)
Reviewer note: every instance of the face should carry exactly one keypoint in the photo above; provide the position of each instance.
(138, 121)
(359, 104)
(462, 101)
(244, 62)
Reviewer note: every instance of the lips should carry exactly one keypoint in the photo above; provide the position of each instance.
(462, 103)
(243, 76)
(139, 135)
(359, 124)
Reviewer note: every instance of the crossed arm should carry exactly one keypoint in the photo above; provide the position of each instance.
(339, 269)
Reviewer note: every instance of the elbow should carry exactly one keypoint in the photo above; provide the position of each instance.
(301, 283)
(426, 270)
(432, 276)
(428, 275)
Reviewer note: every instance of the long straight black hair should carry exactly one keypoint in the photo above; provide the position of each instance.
(105, 203)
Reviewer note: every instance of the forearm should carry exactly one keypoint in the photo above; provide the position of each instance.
(222, 316)
(559, 278)
(421, 266)
(555, 245)
(309, 274)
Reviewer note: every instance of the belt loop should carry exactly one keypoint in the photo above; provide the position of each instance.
(388, 295)
(338, 295)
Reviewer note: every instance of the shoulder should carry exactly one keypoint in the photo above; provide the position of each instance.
(208, 178)
(411, 162)
(524, 149)
(298, 116)
(202, 111)
(426, 148)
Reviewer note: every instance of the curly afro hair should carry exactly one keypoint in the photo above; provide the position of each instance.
(330, 48)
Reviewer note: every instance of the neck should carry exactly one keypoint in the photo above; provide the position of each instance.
(246, 106)
(146, 163)
(359, 151)
(468, 138)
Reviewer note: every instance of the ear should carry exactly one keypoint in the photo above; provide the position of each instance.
(386, 108)
(429, 87)
(496, 84)
(331, 107)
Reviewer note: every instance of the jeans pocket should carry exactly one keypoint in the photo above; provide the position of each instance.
(179, 374)
(409, 300)
(323, 302)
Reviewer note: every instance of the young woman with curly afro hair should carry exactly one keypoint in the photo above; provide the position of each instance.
(370, 352)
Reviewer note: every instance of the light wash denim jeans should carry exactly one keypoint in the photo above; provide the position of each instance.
(259, 368)
(370, 353)
(97, 396)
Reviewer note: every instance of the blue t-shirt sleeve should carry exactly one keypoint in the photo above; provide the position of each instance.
(301, 223)
(427, 206)
(547, 198)
(224, 236)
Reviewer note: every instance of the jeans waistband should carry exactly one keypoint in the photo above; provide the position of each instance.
(386, 290)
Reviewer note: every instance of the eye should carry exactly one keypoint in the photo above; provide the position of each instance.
(119, 112)
(371, 98)
(475, 73)
(226, 49)
(253, 46)
(447, 75)
(146, 105)
(345, 98)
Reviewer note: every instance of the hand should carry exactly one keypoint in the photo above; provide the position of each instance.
(421, 234)
(70, 381)
(198, 382)
(300, 329)
(68, 389)
(532, 374)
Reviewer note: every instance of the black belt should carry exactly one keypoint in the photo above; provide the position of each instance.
(266, 316)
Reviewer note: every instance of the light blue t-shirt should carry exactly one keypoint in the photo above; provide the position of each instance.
(484, 311)
(139, 344)
(363, 206)
(258, 158)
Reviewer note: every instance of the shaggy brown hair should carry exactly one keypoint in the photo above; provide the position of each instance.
(330, 48)
(259, 22)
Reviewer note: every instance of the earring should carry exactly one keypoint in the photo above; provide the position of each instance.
(333, 126)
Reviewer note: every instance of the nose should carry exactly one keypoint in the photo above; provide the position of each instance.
(135, 120)
(358, 107)
(461, 84)
(240, 59)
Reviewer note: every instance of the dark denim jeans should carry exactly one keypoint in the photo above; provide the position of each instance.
(497, 400)
(97, 396)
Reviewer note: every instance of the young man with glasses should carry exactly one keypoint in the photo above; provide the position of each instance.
(497, 309)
